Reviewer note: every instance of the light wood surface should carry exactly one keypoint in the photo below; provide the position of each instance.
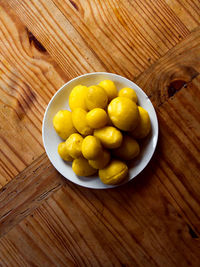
(46, 220)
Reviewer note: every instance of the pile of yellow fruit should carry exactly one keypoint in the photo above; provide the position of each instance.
(101, 129)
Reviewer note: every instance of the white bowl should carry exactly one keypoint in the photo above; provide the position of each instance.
(60, 101)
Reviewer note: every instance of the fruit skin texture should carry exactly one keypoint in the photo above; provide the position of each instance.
(62, 123)
(62, 151)
(129, 93)
(96, 97)
(123, 113)
(91, 147)
(144, 125)
(73, 145)
(128, 150)
(81, 167)
(110, 89)
(77, 97)
(109, 136)
(101, 161)
(97, 118)
(114, 173)
(80, 122)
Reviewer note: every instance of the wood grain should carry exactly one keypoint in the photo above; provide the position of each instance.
(126, 49)
(46, 220)
(122, 33)
(28, 79)
(26, 192)
(117, 227)
(187, 11)
(173, 71)
(62, 43)
(175, 90)
(102, 228)
(29, 76)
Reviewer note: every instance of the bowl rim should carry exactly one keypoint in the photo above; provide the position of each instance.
(90, 74)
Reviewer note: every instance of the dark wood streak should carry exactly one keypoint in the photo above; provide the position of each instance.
(33, 40)
(175, 86)
(192, 232)
(74, 5)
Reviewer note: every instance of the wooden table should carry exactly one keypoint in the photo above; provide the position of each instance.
(46, 220)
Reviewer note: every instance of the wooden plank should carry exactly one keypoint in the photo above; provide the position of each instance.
(142, 31)
(173, 71)
(28, 79)
(119, 36)
(33, 252)
(187, 11)
(178, 151)
(106, 227)
(175, 89)
(26, 192)
(57, 35)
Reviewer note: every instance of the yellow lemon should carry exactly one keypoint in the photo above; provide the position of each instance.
(128, 150)
(62, 151)
(144, 125)
(62, 123)
(96, 97)
(123, 113)
(129, 93)
(81, 167)
(91, 147)
(110, 88)
(109, 136)
(101, 161)
(73, 145)
(97, 118)
(80, 122)
(114, 173)
(77, 97)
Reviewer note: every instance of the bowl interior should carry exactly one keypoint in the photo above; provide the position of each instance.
(60, 101)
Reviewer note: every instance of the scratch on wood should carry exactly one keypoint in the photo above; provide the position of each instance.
(23, 212)
(45, 194)
(5, 214)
